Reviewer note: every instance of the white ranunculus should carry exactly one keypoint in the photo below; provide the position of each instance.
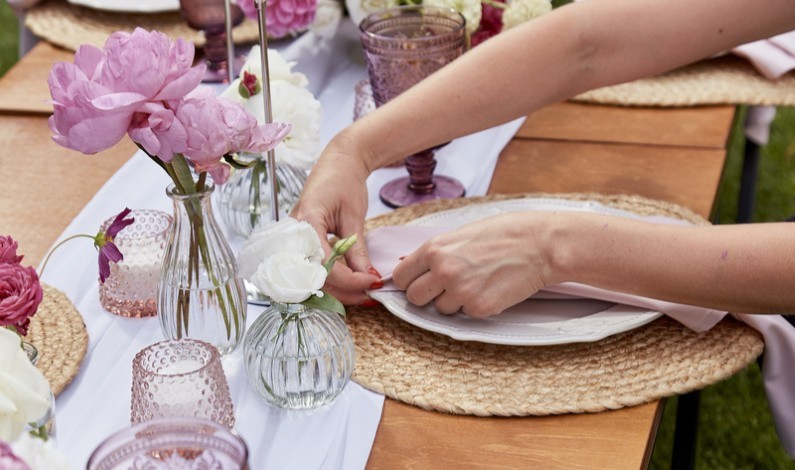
(327, 18)
(278, 68)
(289, 277)
(24, 392)
(288, 235)
(359, 9)
(39, 454)
(519, 11)
(471, 9)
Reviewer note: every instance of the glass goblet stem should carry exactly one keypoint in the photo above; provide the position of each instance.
(420, 167)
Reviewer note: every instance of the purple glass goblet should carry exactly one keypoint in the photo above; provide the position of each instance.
(209, 16)
(403, 45)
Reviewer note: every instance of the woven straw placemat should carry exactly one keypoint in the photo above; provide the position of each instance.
(70, 26)
(58, 332)
(723, 80)
(436, 372)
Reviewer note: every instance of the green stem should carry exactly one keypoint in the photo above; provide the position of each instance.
(47, 258)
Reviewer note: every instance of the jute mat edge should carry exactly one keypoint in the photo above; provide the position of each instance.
(435, 372)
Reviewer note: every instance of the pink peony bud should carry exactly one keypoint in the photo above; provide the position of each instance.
(20, 296)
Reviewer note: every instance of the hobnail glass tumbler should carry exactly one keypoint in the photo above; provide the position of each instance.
(172, 444)
(131, 288)
(176, 378)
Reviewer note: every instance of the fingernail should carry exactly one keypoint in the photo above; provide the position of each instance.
(369, 303)
(373, 271)
(376, 285)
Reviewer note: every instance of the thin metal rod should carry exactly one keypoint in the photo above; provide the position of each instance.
(230, 44)
(266, 100)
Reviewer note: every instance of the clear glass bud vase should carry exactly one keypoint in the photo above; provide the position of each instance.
(298, 357)
(244, 200)
(200, 295)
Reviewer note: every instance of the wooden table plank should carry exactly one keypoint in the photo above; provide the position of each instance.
(703, 127)
(24, 88)
(686, 176)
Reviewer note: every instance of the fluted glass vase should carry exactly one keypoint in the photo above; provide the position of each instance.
(298, 357)
(200, 295)
(245, 200)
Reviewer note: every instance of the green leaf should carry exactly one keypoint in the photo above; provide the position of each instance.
(237, 164)
(327, 302)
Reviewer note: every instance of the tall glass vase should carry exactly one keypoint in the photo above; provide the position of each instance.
(244, 201)
(298, 357)
(200, 295)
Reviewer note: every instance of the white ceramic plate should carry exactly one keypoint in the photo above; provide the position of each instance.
(130, 6)
(534, 322)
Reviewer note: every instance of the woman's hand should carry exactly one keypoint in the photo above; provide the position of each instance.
(334, 201)
(482, 268)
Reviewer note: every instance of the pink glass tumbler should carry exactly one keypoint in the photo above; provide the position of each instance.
(403, 45)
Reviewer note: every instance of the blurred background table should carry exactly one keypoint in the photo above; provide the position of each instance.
(674, 155)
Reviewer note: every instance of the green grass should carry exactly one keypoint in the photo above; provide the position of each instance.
(735, 426)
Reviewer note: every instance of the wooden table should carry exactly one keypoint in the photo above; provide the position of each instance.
(675, 155)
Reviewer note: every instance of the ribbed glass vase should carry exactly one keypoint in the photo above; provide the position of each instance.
(199, 294)
(298, 357)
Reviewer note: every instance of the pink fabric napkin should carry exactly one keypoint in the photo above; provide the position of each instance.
(387, 244)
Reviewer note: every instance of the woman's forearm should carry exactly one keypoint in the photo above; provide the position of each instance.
(739, 268)
(570, 50)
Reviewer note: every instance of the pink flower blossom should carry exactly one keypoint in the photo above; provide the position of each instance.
(490, 23)
(283, 17)
(20, 296)
(103, 241)
(208, 142)
(8, 250)
(8, 460)
(96, 98)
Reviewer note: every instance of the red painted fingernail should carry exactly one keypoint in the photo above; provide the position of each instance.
(369, 303)
(376, 285)
(373, 271)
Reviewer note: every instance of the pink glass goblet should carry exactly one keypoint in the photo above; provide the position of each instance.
(402, 46)
(181, 377)
(209, 16)
(172, 444)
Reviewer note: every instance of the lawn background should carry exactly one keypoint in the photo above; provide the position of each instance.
(735, 426)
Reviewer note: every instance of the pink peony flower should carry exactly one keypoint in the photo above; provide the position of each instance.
(96, 98)
(207, 141)
(20, 296)
(8, 460)
(283, 17)
(8, 250)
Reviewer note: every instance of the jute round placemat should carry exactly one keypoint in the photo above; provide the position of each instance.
(723, 80)
(70, 26)
(58, 332)
(436, 372)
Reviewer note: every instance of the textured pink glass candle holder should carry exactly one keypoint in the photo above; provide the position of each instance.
(402, 46)
(182, 377)
(172, 444)
(131, 288)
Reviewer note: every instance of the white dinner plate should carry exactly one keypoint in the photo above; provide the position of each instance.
(534, 322)
(130, 6)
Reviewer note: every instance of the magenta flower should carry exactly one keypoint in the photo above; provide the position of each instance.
(283, 17)
(103, 241)
(20, 296)
(9, 460)
(8, 250)
(490, 23)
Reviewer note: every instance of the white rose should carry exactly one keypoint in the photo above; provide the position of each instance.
(327, 18)
(288, 235)
(24, 392)
(519, 11)
(289, 277)
(471, 9)
(39, 454)
(359, 9)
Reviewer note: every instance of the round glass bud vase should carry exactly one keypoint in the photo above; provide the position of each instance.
(44, 427)
(244, 200)
(298, 357)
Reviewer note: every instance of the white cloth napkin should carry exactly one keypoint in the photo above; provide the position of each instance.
(773, 57)
(388, 244)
